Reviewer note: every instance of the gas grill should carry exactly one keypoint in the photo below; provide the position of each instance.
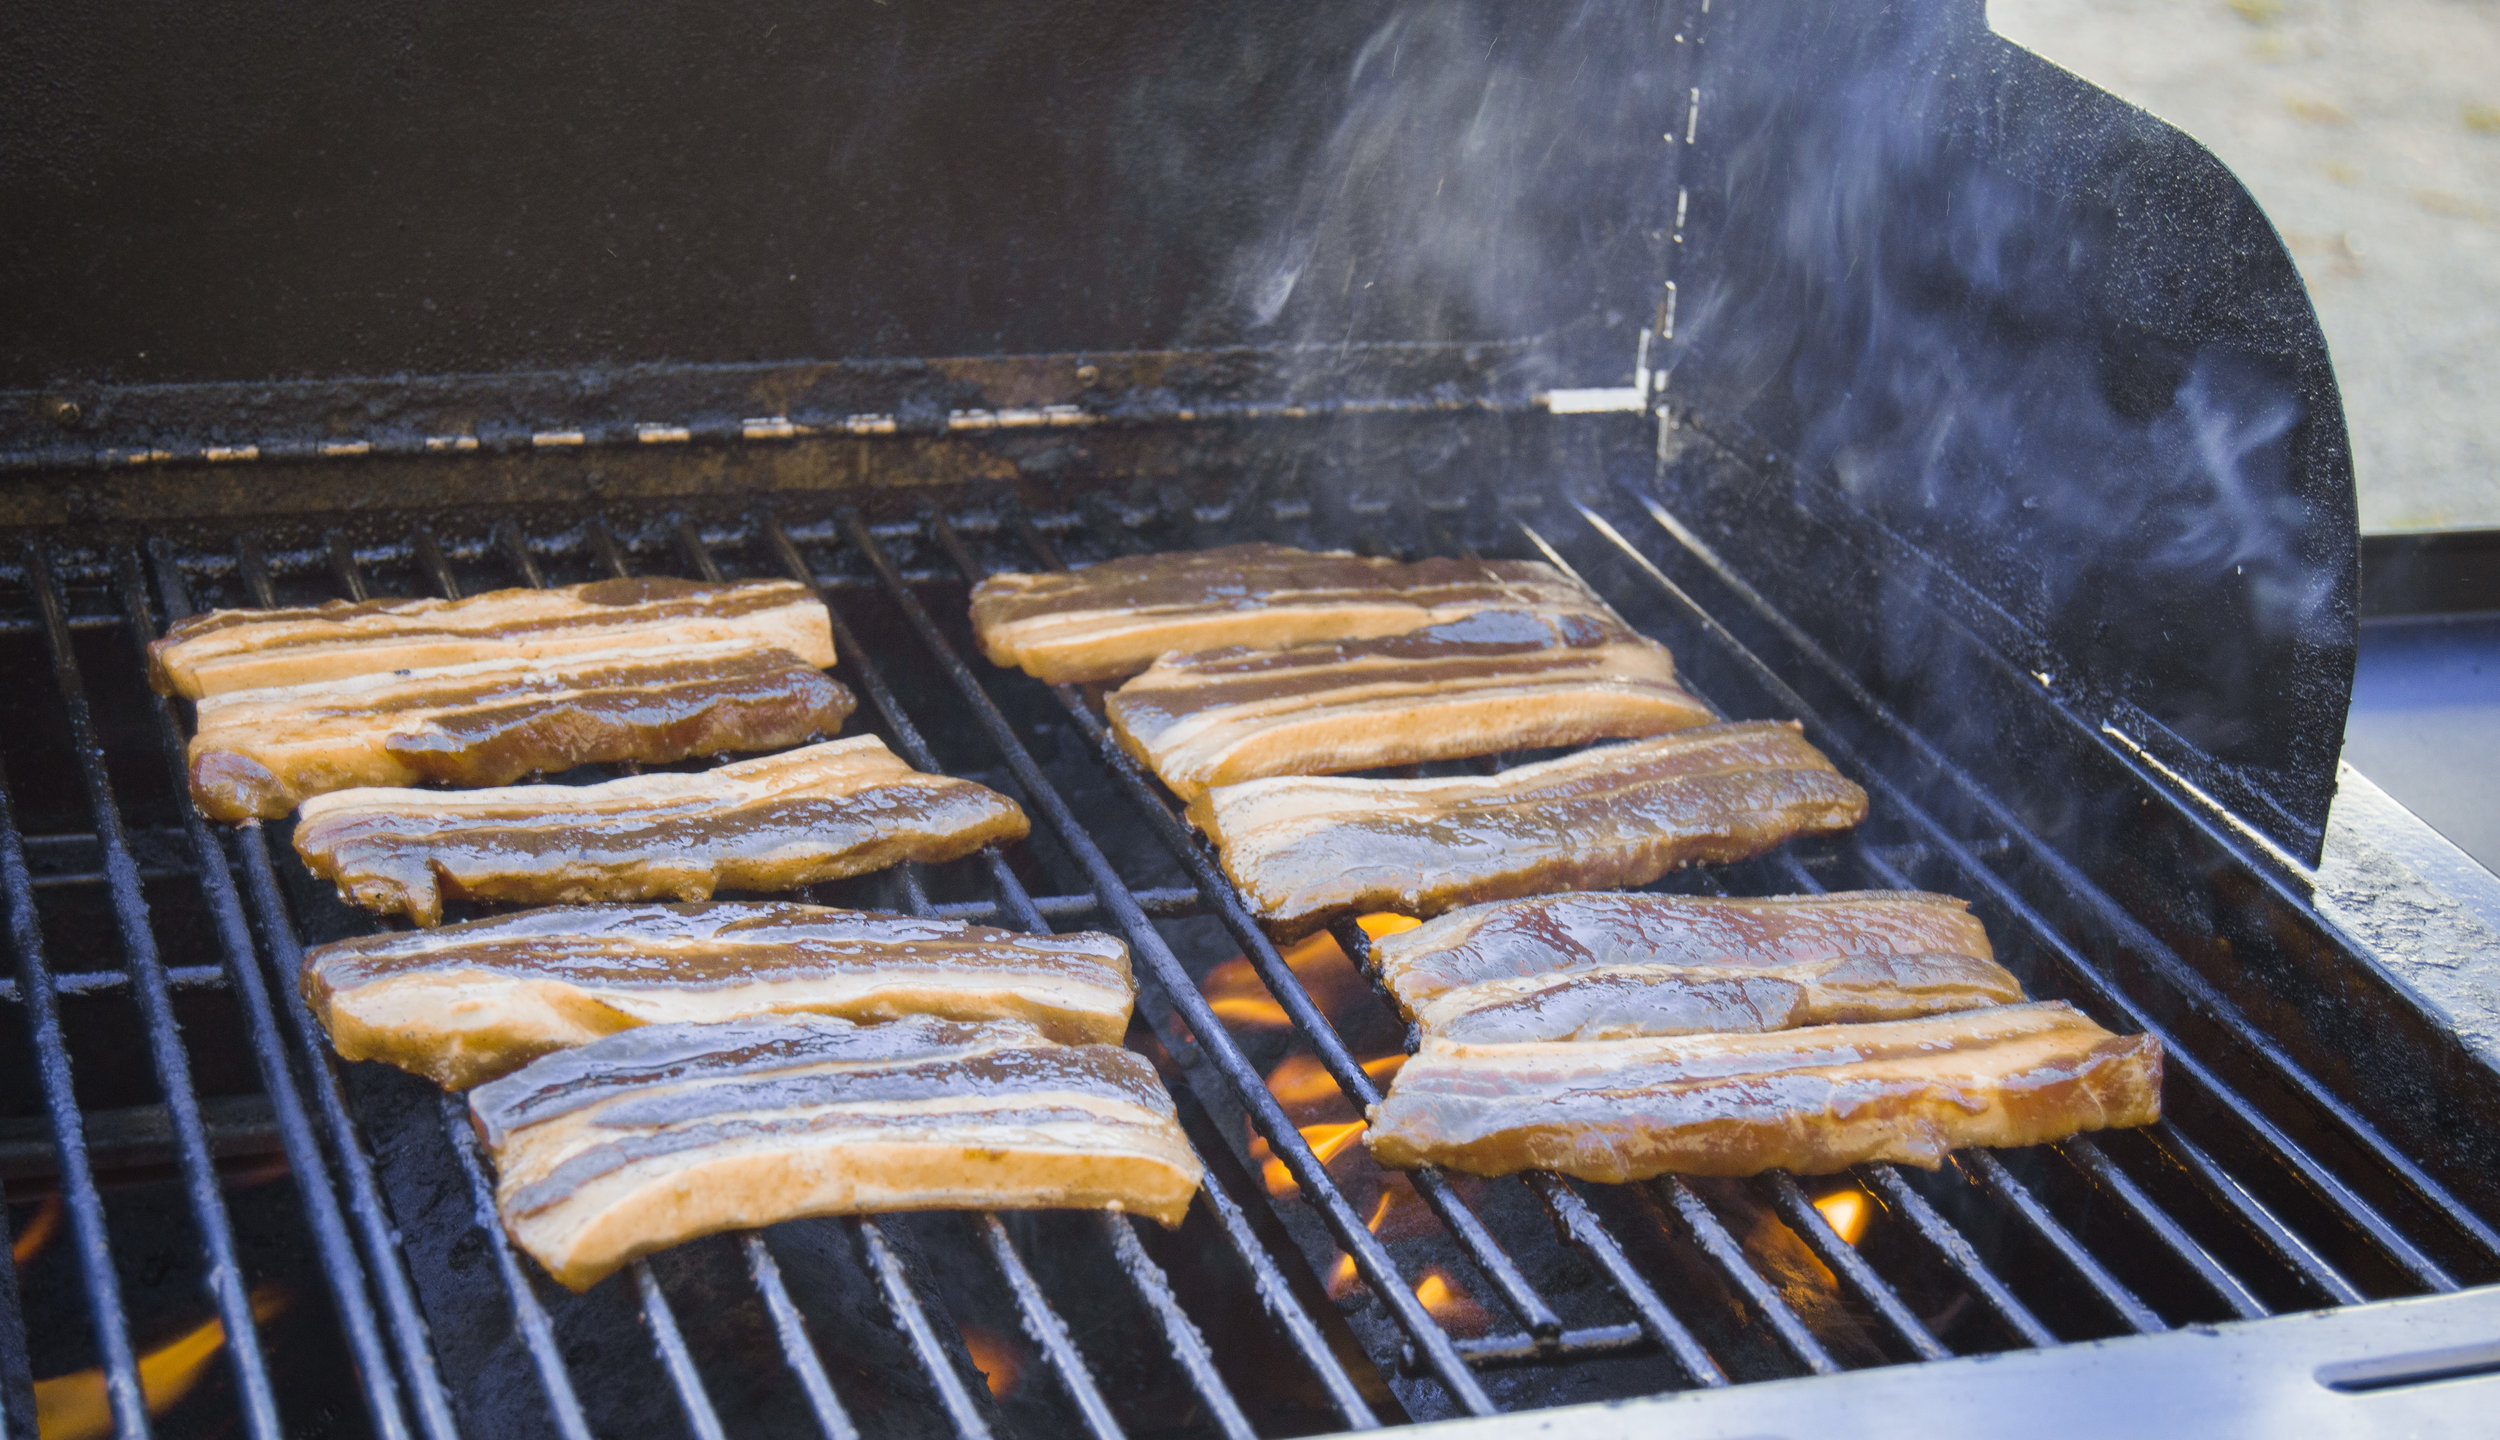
(1898, 382)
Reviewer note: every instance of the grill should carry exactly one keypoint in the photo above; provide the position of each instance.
(2127, 774)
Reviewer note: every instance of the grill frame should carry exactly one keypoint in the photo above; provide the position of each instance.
(864, 572)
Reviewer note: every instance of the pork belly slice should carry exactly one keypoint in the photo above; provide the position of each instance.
(1607, 966)
(1305, 850)
(1112, 620)
(254, 649)
(1813, 1100)
(260, 753)
(469, 1002)
(658, 1135)
(845, 807)
(1496, 680)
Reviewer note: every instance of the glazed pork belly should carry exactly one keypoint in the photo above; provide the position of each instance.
(260, 753)
(226, 650)
(1110, 621)
(1306, 850)
(1608, 966)
(845, 807)
(466, 1003)
(1496, 680)
(658, 1135)
(1812, 1100)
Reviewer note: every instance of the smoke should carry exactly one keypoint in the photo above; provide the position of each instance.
(2046, 341)
(1446, 192)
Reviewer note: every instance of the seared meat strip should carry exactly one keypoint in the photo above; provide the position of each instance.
(1813, 1100)
(261, 752)
(655, 1136)
(1306, 850)
(1111, 620)
(841, 808)
(1608, 966)
(253, 649)
(1496, 680)
(469, 1002)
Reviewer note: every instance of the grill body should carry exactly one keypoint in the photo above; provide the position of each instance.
(1898, 382)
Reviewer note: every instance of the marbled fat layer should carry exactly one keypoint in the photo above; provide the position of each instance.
(465, 1003)
(842, 808)
(655, 1136)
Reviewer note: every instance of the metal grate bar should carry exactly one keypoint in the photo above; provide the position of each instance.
(914, 1318)
(69, 1134)
(1188, 1346)
(2096, 1167)
(1274, 1294)
(796, 1347)
(105, 982)
(1465, 1228)
(1286, 1142)
(701, 1418)
(1947, 1242)
(1729, 1257)
(341, 1266)
(1033, 1308)
(536, 1332)
(374, 1227)
(1048, 1331)
(2260, 1223)
(1580, 1225)
(1163, 904)
(2278, 1239)
(164, 1034)
(1940, 1234)
(375, 1231)
(516, 552)
(343, 567)
(2122, 1302)
(1789, 1199)
(2356, 1211)
(701, 1415)
(2208, 1001)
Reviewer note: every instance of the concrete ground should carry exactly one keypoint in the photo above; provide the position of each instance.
(2370, 131)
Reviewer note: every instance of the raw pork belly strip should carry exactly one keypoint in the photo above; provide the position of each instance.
(1611, 966)
(1813, 1100)
(1307, 850)
(466, 1003)
(252, 649)
(845, 807)
(262, 752)
(1112, 620)
(1496, 680)
(658, 1135)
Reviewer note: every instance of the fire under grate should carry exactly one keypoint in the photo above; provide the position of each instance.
(378, 1272)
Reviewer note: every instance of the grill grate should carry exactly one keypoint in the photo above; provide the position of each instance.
(2286, 1198)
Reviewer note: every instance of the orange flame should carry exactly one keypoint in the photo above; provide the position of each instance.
(1447, 1302)
(1303, 1083)
(1327, 1141)
(38, 1232)
(75, 1407)
(999, 1363)
(1383, 923)
(1238, 997)
(1846, 1211)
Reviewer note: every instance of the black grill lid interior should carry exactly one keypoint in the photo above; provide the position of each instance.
(2045, 349)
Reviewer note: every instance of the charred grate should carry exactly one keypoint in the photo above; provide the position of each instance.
(2265, 1191)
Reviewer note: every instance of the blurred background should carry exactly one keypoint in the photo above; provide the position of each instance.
(2370, 132)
